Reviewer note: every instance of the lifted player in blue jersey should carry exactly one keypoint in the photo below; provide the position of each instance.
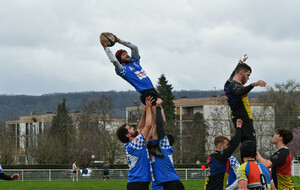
(237, 98)
(129, 68)
(138, 157)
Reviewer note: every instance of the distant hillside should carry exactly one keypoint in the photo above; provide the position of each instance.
(13, 106)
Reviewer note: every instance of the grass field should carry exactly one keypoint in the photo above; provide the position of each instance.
(93, 185)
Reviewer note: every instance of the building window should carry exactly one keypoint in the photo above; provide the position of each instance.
(18, 129)
(190, 110)
(27, 142)
(18, 143)
(40, 128)
(47, 126)
(27, 129)
(22, 159)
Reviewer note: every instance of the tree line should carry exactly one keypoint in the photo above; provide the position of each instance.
(14, 106)
(66, 140)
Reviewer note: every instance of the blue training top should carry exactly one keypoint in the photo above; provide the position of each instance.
(134, 74)
(163, 168)
(138, 160)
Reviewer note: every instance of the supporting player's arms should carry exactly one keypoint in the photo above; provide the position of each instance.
(134, 49)
(235, 141)
(148, 122)
(142, 122)
(265, 162)
(160, 123)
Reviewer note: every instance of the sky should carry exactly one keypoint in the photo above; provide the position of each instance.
(52, 46)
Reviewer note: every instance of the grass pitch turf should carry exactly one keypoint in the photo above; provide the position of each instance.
(94, 185)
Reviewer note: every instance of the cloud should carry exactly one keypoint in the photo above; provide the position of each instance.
(53, 46)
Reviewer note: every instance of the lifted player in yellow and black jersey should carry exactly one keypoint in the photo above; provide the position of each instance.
(237, 98)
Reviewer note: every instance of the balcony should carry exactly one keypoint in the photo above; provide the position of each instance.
(186, 117)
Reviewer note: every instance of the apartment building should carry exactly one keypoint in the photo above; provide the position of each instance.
(27, 128)
(217, 117)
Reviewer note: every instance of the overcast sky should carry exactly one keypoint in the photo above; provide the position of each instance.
(52, 46)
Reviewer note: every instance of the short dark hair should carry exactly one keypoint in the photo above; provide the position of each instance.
(220, 140)
(171, 139)
(248, 149)
(286, 135)
(121, 134)
(242, 67)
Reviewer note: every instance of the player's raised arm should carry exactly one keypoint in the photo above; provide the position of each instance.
(110, 55)
(260, 83)
(242, 60)
(142, 121)
(134, 49)
(148, 122)
(160, 120)
(113, 59)
(235, 141)
(238, 90)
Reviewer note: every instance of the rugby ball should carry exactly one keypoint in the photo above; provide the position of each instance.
(108, 38)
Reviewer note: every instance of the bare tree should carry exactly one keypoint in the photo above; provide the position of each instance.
(48, 150)
(294, 145)
(264, 125)
(194, 140)
(218, 122)
(86, 145)
(285, 97)
(95, 136)
(7, 145)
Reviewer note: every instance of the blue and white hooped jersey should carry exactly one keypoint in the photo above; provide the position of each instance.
(134, 74)
(234, 165)
(163, 168)
(138, 160)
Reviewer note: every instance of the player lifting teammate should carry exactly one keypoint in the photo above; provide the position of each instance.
(218, 163)
(138, 159)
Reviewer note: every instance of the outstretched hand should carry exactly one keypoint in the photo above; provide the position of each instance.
(117, 39)
(239, 123)
(260, 83)
(244, 58)
(15, 177)
(103, 43)
(149, 101)
(159, 102)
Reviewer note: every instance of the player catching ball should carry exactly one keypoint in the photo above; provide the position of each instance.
(129, 68)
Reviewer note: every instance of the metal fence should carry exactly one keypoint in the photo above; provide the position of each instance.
(67, 174)
(295, 168)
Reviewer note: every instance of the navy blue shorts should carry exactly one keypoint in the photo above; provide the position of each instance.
(150, 92)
